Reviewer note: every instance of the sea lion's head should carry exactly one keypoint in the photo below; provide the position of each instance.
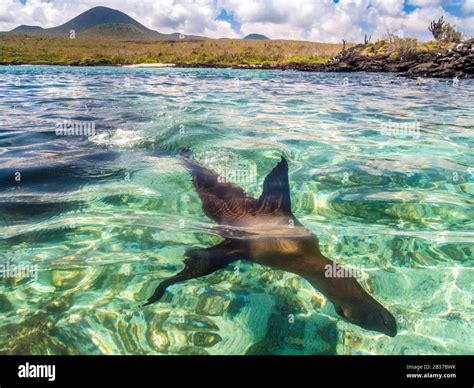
(368, 314)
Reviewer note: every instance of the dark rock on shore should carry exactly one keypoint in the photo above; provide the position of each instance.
(456, 62)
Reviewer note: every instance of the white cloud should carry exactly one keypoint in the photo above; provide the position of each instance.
(389, 7)
(321, 20)
(468, 6)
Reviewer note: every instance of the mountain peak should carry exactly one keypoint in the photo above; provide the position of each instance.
(26, 29)
(256, 37)
(97, 16)
(103, 22)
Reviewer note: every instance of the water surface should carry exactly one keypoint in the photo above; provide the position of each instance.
(103, 218)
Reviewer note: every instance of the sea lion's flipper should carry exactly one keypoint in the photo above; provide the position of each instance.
(276, 190)
(199, 262)
(221, 199)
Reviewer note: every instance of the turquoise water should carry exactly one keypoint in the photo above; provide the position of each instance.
(381, 169)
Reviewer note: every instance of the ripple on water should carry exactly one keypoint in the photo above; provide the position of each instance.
(107, 217)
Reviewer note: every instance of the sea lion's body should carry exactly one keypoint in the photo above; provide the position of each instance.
(265, 231)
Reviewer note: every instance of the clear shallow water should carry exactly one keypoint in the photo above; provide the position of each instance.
(106, 217)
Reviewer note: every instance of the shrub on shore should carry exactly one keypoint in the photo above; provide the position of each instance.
(443, 31)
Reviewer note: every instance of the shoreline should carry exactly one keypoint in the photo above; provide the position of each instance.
(301, 67)
(453, 63)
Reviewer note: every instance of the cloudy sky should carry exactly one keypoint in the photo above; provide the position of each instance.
(316, 20)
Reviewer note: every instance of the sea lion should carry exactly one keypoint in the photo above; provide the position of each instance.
(265, 231)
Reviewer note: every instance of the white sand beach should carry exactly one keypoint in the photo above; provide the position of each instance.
(151, 65)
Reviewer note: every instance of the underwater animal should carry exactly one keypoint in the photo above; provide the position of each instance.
(265, 231)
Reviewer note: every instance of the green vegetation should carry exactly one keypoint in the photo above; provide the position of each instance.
(443, 31)
(90, 50)
(403, 48)
(398, 48)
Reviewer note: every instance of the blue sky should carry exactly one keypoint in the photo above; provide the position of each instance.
(228, 17)
(317, 20)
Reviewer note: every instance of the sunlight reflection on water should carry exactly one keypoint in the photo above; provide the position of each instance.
(105, 218)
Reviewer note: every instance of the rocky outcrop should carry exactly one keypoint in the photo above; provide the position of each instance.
(456, 62)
